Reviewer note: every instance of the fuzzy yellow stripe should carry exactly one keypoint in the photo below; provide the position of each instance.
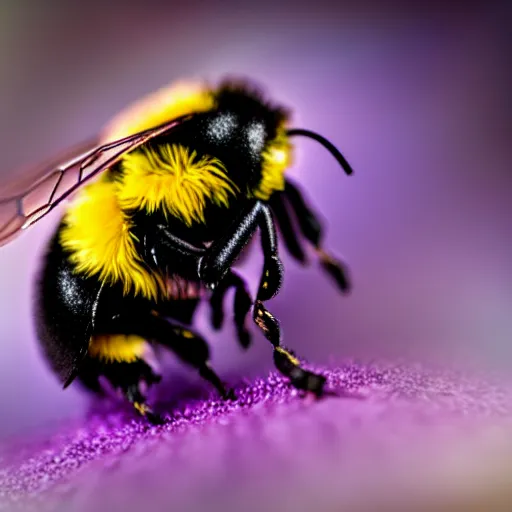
(97, 234)
(174, 179)
(121, 348)
(276, 159)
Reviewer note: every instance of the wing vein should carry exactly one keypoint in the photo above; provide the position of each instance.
(24, 209)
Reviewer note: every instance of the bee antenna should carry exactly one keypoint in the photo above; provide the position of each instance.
(326, 144)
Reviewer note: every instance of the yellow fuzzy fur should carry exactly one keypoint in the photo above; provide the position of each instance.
(173, 179)
(276, 159)
(122, 348)
(98, 235)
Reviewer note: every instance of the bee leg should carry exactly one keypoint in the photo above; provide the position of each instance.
(214, 266)
(127, 377)
(242, 306)
(161, 250)
(188, 346)
(270, 283)
(311, 229)
(191, 348)
(287, 230)
(138, 400)
(284, 360)
(272, 276)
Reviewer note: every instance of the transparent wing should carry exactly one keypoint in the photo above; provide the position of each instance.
(55, 182)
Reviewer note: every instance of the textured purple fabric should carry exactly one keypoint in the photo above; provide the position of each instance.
(392, 435)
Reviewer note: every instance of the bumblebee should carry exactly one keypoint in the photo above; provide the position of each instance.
(159, 208)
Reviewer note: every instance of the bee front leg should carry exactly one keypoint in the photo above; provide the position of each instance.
(285, 360)
(220, 257)
(272, 276)
(224, 254)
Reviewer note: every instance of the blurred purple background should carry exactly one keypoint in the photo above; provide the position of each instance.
(418, 101)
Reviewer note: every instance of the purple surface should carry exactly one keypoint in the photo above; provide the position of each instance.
(394, 434)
